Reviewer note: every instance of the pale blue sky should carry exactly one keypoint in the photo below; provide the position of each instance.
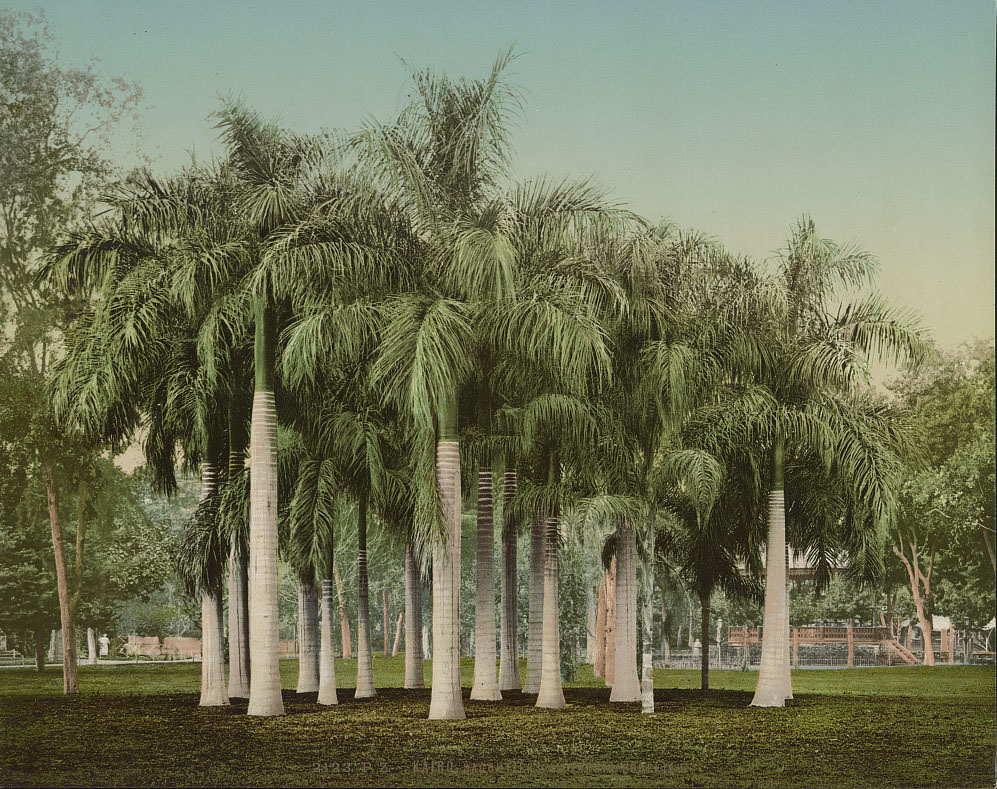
(877, 118)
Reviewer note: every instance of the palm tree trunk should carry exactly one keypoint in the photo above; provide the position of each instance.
(647, 667)
(590, 616)
(666, 647)
(704, 665)
(446, 702)
(344, 622)
(398, 636)
(386, 625)
(626, 684)
(610, 672)
(599, 658)
(485, 686)
(238, 626)
(551, 693)
(772, 690)
(413, 621)
(264, 625)
(365, 658)
(213, 689)
(308, 641)
(509, 657)
(238, 579)
(327, 654)
(70, 682)
(534, 642)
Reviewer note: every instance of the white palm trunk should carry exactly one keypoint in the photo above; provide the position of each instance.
(238, 627)
(214, 692)
(446, 702)
(509, 657)
(551, 693)
(365, 658)
(772, 689)
(398, 636)
(308, 638)
(427, 650)
(534, 635)
(626, 684)
(610, 669)
(264, 627)
(485, 686)
(599, 656)
(787, 677)
(413, 621)
(647, 664)
(91, 647)
(327, 651)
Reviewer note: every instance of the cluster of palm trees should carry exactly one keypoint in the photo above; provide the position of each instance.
(374, 317)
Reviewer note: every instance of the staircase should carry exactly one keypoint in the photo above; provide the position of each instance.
(900, 650)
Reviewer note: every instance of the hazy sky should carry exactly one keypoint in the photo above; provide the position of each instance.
(734, 118)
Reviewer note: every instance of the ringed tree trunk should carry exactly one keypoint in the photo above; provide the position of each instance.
(666, 647)
(647, 667)
(551, 694)
(626, 685)
(264, 627)
(446, 702)
(238, 626)
(599, 656)
(344, 622)
(534, 642)
(39, 644)
(773, 689)
(308, 642)
(327, 650)
(213, 690)
(413, 621)
(70, 683)
(509, 657)
(365, 657)
(485, 686)
(238, 577)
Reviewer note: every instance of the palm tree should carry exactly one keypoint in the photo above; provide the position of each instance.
(815, 365)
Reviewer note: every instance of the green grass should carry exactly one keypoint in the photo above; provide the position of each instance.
(861, 727)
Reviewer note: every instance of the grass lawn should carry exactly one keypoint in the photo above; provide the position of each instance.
(140, 725)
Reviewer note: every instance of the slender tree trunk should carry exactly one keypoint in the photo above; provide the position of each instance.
(398, 636)
(39, 644)
(551, 694)
(647, 667)
(771, 690)
(327, 650)
(611, 624)
(344, 621)
(509, 657)
(889, 612)
(91, 647)
(238, 626)
(308, 641)
(413, 621)
(387, 622)
(365, 658)
(626, 683)
(599, 658)
(485, 686)
(534, 642)
(666, 647)
(213, 689)
(238, 576)
(264, 624)
(446, 702)
(919, 579)
(704, 666)
(52, 646)
(590, 617)
(70, 683)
